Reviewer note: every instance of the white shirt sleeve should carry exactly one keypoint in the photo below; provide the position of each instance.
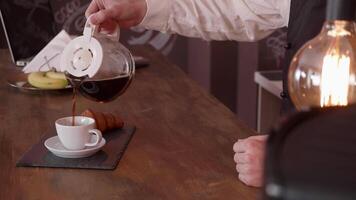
(241, 20)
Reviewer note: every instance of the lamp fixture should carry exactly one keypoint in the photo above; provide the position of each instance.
(323, 72)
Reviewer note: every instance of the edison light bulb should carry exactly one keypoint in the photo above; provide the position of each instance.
(323, 72)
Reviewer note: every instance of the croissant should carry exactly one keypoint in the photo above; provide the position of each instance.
(104, 121)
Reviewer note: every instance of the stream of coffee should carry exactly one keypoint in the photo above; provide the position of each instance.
(75, 82)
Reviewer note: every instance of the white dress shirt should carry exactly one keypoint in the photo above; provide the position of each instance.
(240, 20)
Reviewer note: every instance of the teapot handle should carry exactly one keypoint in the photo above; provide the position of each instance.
(91, 30)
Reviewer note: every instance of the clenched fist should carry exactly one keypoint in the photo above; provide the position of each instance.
(108, 13)
(249, 158)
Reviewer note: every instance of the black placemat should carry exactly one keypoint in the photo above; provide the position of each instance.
(107, 158)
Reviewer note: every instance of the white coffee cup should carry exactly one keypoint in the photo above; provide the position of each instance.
(79, 136)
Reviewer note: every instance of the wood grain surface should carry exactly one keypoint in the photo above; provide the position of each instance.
(182, 148)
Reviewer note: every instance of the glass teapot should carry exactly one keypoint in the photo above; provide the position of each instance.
(98, 65)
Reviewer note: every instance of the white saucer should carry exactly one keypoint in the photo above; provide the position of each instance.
(55, 146)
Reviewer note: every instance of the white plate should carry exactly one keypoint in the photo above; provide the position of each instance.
(55, 146)
(25, 86)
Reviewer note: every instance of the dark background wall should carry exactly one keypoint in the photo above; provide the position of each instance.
(225, 69)
(2, 38)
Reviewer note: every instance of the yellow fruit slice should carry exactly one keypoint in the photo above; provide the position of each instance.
(56, 75)
(40, 80)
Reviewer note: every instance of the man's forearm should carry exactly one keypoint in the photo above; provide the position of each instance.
(239, 20)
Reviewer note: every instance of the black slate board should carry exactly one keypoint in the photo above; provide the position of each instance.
(106, 159)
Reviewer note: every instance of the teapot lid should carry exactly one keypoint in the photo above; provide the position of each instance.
(83, 56)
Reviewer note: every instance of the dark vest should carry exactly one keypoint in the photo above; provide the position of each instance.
(305, 22)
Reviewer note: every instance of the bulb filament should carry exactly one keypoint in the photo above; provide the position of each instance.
(334, 86)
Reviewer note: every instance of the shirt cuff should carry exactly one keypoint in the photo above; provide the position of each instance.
(285, 11)
(157, 15)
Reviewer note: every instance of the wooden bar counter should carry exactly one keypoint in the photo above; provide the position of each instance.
(182, 148)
